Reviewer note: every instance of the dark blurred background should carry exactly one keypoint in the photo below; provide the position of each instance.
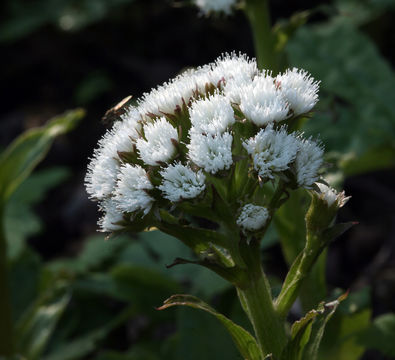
(58, 55)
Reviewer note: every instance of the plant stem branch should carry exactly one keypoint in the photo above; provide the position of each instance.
(296, 275)
(6, 329)
(257, 12)
(256, 300)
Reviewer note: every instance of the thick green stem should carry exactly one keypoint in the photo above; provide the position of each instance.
(297, 274)
(257, 302)
(257, 12)
(6, 342)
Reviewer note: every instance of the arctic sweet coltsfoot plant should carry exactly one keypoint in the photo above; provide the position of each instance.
(208, 158)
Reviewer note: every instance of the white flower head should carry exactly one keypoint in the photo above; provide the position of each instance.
(181, 182)
(233, 88)
(232, 66)
(208, 6)
(212, 152)
(272, 150)
(252, 217)
(299, 89)
(308, 161)
(108, 222)
(165, 99)
(261, 101)
(212, 115)
(331, 196)
(102, 171)
(158, 146)
(130, 193)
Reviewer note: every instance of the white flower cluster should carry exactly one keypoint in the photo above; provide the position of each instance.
(208, 6)
(252, 217)
(331, 196)
(165, 150)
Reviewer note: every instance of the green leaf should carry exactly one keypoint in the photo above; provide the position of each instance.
(244, 341)
(156, 250)
(340, 338)
(354, 114)
(26, 151)
(380, 335)
(306, 333)
(300, 335)
(326, 312)
(20, 220)
(26, 269)
(194, 338)
(36, 326)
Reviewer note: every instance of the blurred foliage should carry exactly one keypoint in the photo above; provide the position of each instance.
(24, 17)
(92, 305)
(356, 119)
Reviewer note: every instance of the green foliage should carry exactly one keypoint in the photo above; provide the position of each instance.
(20, 220)
(380, 335)
(356, 116)
(307, 333)
(25, 17)
(25, 152)
(244, 341)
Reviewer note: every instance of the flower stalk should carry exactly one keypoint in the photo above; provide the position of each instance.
(257, 302)
(258, 14)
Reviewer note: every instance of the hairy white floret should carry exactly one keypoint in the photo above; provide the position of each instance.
(308, 161)
(208, 6)
(299, 89)
(330, 195)
(108, 222)
(271, 150)
(173, 94)
(252, 217)
(181, 182)
(130, 193)
(261, 101)
(102, 170)
(232, 66)
(211, 152)
(158, 146)
(212, 115)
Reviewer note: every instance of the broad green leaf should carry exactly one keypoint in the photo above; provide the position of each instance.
(157, 250)
(194, 338)
(354, 115)
(380, 335)
(36, 326)
(244, 341)
(340, 338)
(26, 151)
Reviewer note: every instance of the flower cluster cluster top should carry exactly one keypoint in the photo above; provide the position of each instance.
(210, 6)
(224, 122)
